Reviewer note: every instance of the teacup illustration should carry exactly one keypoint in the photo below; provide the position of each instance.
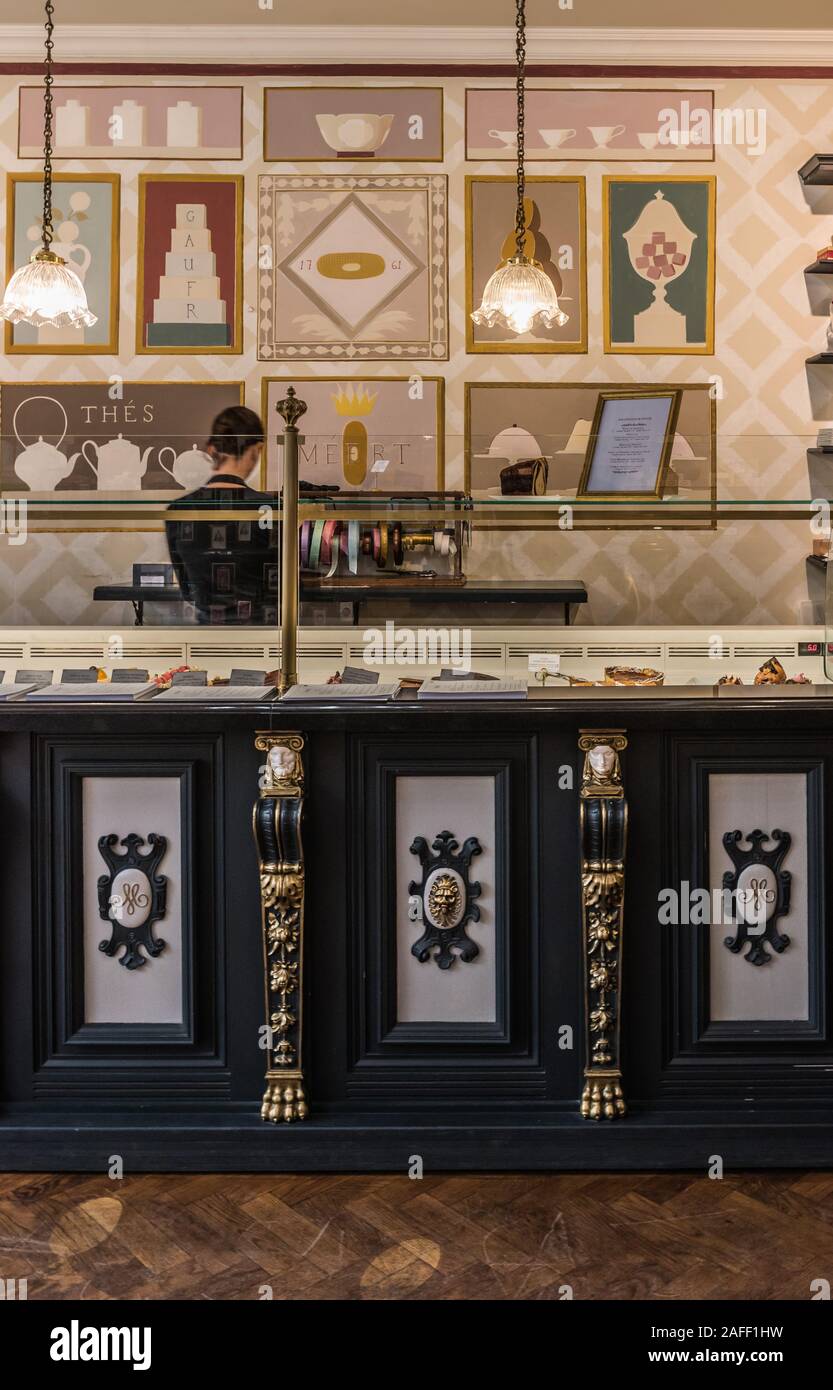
(506, 137)
(648, 139)
(355, 132)
(554, 138)
(603, 134)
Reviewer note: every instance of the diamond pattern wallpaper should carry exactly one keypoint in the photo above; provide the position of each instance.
(769, 317)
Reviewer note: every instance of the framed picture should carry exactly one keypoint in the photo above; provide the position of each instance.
(190, 263)
(74, 437)
(631, 441)
(659, 257)
(555, 235)
(592, 123)
(142, 122)
(311, 124)
(85, 215)
(353, 267)
(555, 421)
(363, 433)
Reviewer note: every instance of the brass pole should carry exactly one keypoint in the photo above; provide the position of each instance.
(291, 410)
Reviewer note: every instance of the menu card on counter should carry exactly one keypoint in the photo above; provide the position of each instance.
(342, 691)
(472, 690)
(121, 693)
(208, 694)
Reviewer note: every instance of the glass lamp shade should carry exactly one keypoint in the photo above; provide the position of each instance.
(46, 291)
(518, 297)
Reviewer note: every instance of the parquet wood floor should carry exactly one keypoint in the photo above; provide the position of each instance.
(524, 1236)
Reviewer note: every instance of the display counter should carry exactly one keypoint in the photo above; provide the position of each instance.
(535, 933)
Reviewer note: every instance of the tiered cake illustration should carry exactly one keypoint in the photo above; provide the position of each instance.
(189, 311)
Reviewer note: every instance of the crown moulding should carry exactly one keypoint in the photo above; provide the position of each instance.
(271, 44)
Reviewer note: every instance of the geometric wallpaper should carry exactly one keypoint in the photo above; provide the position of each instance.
(769, 405)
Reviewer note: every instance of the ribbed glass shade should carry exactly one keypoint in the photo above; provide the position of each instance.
(518, 296)
(46, 291)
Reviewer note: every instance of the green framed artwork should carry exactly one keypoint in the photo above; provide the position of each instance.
(85, 214)
(659, 263)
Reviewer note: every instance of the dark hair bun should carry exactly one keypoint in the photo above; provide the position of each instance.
(235, 430)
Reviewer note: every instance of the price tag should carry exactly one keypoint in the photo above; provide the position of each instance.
(380, 465)
(548, 663)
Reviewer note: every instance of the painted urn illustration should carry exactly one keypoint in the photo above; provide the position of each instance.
(119, 464)
(356, 133)
(659, 245)
(42, 466)
(188, 469)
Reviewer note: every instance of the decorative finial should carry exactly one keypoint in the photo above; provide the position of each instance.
(291, 408)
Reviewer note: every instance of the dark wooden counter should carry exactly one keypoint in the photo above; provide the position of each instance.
(502, 1095)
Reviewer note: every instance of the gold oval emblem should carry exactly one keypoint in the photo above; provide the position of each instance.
(354, 453)
(350, 265)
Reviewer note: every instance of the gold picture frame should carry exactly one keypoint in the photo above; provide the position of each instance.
(607, 398)
(298, 381)
(513, 344)
(611, 344)
(236, 345)
(111, 346)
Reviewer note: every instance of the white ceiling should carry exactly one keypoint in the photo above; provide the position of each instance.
(732, 14)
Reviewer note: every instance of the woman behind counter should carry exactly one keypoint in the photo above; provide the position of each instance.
(228, 569)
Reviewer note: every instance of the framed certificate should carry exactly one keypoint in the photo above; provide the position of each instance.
(630, 444)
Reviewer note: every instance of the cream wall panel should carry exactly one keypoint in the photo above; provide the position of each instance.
(780, 988)
(153, 992)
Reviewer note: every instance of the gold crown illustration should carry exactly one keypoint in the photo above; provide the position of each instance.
(354, 402)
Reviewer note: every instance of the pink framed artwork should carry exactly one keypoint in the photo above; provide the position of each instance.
(592, 123)
(142, 122)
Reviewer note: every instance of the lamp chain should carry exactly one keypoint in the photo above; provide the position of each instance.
(47, 132)
(520, 54)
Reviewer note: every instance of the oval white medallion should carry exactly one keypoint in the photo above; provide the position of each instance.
(131, 897)
(444, 898)
(756, 894)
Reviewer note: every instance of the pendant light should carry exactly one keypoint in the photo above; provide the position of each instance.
(520, 295)
(47, 291)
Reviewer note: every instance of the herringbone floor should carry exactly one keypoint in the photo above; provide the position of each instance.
(234, 1236)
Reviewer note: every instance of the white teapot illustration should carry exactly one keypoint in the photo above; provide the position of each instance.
(119, 463)
(188, 469)
(42, 466)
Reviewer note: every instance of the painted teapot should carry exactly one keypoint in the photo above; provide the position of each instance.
(42, 466)
(120, 464)
(189, 469)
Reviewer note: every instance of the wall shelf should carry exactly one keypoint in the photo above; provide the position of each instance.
(820, 268)
(820, 358)
(818, 169)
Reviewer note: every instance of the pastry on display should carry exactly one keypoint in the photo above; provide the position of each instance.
(633, 675)
(730, 680)
(771, 673)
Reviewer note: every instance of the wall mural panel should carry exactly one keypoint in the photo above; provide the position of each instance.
(189, 292)
(555, 235)
(363, 433)
(353, 268)
(74, 437)
(146, 122)
(353, 123)
(594, 123)
(659, 257)
(85, 214)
